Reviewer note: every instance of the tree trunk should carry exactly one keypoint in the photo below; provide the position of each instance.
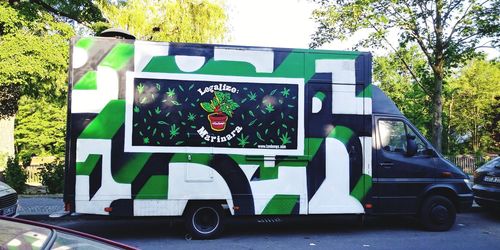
(450, 114)
(437, 112)
(437, 68)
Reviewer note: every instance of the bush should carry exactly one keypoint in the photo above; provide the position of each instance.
(15, 175)
(53, 177)
(3, 160)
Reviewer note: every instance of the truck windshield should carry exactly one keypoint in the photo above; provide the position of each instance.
(393, 135)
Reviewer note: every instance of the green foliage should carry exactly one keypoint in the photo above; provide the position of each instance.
(33, 56)
(53, 177)
(472, 108)
(406, 92)
(471, 99)
(82, 11)
(447, 32)
(3, 160)
(40, 128)
(198, 21)
(15, 175)
(452, 26)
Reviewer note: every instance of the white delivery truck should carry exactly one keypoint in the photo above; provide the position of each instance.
(207, 131)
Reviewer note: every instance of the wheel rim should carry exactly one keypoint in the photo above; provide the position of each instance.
(439, 214)
(205, 220)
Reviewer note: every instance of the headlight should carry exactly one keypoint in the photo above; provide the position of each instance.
(469, 184)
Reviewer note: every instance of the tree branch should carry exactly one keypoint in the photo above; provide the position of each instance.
(58, 12)
(424, 10)
(453, 29)
(450, 8)
(403, 61)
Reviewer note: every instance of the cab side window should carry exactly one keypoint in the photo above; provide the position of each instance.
(421, 146)
(392, 135)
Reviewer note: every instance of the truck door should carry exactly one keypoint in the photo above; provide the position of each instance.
(399, 178)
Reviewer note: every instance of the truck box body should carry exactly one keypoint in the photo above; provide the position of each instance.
(266, 131)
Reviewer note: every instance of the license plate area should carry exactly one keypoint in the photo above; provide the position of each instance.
(8, 211)
(492, 179)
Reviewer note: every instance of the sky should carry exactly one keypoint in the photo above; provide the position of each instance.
(271, 23)
(285, 23)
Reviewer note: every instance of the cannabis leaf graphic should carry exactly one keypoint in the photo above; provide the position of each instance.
(285, 92)
(140, 88)
(242, 140)
(269, 108)
(191, 116)
(222, 103)
(173, 131)
(285, 139)
(252, 96)
(171, 92)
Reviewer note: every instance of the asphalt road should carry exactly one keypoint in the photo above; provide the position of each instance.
(474, 230)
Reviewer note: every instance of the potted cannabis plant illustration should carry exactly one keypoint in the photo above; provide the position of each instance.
(220, 107)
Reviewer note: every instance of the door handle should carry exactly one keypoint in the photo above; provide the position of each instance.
(386, 164)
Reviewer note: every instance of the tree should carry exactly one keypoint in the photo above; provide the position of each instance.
(40, 128)
(198, 21)
(15, 175)
(82, 11)
(446, 31)
(33, 61)
(33, 58)
(473, 103)
(397, 82)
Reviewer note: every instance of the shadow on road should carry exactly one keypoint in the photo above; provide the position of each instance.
(125, 228)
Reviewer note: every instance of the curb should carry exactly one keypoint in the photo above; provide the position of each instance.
(41, 196)
(35, 217)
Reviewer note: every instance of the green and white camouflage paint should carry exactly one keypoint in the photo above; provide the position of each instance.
(266, 130)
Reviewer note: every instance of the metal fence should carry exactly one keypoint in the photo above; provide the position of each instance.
(34, 177)
(468, 163)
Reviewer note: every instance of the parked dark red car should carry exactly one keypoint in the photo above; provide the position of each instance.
(23, 234)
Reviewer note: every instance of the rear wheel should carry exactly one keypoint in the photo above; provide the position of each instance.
(437, 213)
(204, 221)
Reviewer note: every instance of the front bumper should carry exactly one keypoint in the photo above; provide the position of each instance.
(465, 202)
(487, 195)
(10, 211)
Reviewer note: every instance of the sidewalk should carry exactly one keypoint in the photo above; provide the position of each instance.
(39, 205)
(44, 205)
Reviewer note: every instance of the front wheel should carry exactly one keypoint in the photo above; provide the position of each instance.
(437, 213)
(204, 221)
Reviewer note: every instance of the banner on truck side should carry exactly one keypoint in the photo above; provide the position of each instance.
(214, 114)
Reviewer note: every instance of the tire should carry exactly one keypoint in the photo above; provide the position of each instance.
(204, 221)
(438, 213)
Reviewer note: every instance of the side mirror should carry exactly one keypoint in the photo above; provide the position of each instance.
(430, 152)
(411, 146)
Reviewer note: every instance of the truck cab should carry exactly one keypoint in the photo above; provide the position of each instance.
(410, 176)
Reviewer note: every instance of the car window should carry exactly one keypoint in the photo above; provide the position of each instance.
(392, 135)
(65, 241)
(421, 146)
(15, 235)
(493, 163)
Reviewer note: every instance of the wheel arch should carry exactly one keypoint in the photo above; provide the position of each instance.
(442, 190)
(197, 203)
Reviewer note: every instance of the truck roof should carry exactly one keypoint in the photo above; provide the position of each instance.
(382, 104)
